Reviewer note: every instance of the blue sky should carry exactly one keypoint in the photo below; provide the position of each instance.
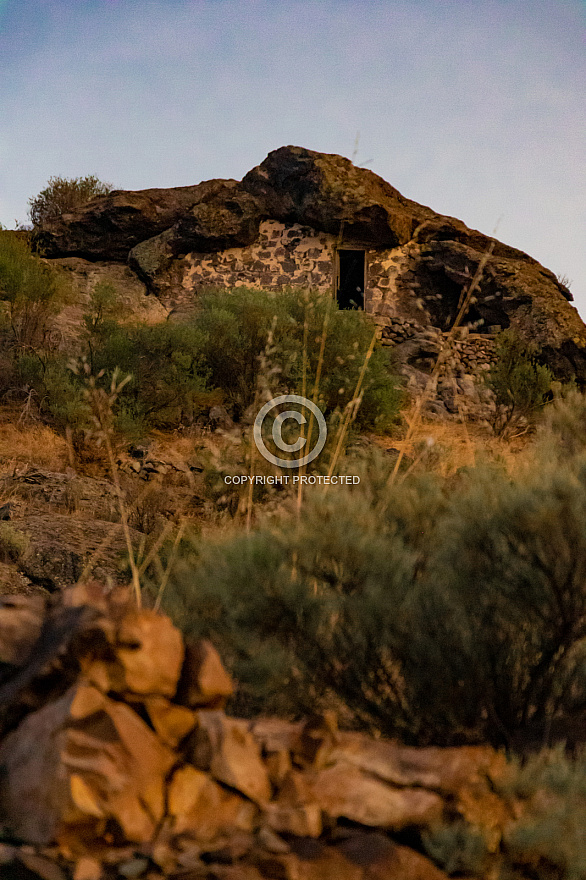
(473, 107)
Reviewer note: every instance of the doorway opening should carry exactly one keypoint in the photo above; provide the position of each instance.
(350, 278)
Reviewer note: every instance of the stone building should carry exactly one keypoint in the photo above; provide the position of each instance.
(310, 219)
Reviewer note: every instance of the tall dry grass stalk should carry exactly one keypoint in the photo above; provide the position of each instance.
(101, 405)
(303, 391)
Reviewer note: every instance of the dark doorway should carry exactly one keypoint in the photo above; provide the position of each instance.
(350, 280)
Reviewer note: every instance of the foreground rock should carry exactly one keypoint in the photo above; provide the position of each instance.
(134, 764)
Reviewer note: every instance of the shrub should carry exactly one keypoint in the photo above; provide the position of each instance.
(520, 384)
(168, 380)
(105, 309)
(236, 325)
(458, 848)
(31, 290)
(64, 194)
(438, 614)
(550, 838)
(564, 424)
(13, 543)
(62, 398)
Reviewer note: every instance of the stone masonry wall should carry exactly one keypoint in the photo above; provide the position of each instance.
(299, 256)
(282, 256)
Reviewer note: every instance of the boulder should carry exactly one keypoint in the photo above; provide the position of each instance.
(172, 723)
(204, 682)
(108, 227)
(202, 809)
(140, 656)
(235, 757)
(343, 791)
(62, 550)
(324, 191)
(79, 760)
(441, 769)
(36, 490)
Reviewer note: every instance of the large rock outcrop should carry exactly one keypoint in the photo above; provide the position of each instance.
(109, 226)
(418, 262)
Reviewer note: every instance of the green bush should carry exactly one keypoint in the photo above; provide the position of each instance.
(564, 424)
(168, 377)
(64, 194)
(440, 613)
(458, 848)
(62, 397)
(13, 543)
(550, 838)
(31, 290)
(105, 310)
(520, 384)
(167, 383)
(237, 325)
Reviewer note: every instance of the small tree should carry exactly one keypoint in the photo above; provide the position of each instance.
(520, 384)
(64, 194)
(30, 288)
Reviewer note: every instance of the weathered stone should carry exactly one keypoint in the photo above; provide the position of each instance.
(109, 226)
(275, 734)
(35, 791)
(323, 190)
(41, 867)
(87, 868)
(439, 769)
(63, 549)
(150, 650)
(344, 791)
(233, 872)
(304, 820)
(271, 841)
(315, 741)
(314, 863)
(204, 682)
(83, 758)
(202, 809)
(38, 490)
(381, 858)
(236, 759)
(278, 766)
(171, 722)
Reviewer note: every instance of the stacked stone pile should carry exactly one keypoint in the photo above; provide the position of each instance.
(464, 366)
(127, 765)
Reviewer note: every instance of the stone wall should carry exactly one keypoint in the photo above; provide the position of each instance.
(282, 256)
(396, 294)
(299, 256)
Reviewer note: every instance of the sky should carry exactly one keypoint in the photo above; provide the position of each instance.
(473, 107)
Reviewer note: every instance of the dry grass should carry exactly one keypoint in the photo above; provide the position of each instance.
(30, 444)
(445, 446)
